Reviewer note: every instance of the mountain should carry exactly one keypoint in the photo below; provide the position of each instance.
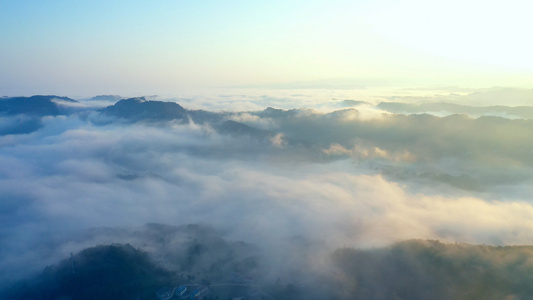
(350, 103)
(420, 269)
(34, 106)
(25, 113)
(524, 112)
(191, 254)
(22, 115)
(102, 272)
(107, 97)
(137, 109)
(198, 255)
(140, 109)
(235, 128)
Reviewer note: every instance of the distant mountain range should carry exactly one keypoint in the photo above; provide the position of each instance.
(139, 108)
(30, 110)
(23, 115)
(525, 112)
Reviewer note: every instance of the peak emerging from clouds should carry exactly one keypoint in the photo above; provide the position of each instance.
(135, 109)
(35, 106)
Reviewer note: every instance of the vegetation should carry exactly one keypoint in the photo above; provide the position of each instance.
(434, 270)
(407, 270)
(102, 272)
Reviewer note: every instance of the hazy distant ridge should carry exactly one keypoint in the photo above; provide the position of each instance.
(524, 112)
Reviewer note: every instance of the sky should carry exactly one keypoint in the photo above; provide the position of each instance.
(84, 48)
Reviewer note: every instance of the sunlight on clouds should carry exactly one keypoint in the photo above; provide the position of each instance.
(361, 152)
(369, 211)
(278, 140)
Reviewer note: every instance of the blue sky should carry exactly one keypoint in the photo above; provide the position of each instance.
(91, 47)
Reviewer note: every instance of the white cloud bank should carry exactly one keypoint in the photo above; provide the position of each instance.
(72, 175)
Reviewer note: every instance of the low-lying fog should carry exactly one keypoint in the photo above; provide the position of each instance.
(357, 176)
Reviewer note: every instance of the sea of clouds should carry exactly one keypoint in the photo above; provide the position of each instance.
(336, 175)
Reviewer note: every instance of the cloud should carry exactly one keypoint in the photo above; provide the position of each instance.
(278, 140)
(18, 124)
(332, 179)
(361, 153)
